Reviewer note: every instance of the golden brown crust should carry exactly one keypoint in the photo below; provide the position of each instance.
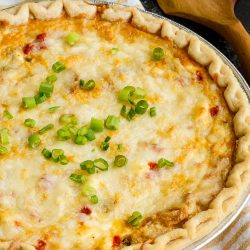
(238, 179)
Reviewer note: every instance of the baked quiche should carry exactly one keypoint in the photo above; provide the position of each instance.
(118, 130)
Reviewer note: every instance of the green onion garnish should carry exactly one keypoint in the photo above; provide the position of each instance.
(90, 135)
(80, 140)
(7, 114)
(123, 111)
(120, 146)
(165, 163)
(72, 38)
(53, 109)
(82, 131)
(88, 191)
(58, 67)
(34, 141)
(112, 122)
(46, 128)
(29, 102)
(46, 153)
(105, 144)
(3, 150)
(94, 199)
(120, 161)
(152, 111)
(139, 93)
(81, 84)
(135, 219)
(30, 123)
(88, 166)
(96, 125)
(131, 114)
(114, 51)
(158, 54)
(68, 119)
(78, 178)
(101, 164)
(46, 88)
(126, 93)
(63, 160)
(4, 136)
(90, 84)
(64, 133)
(141, 107)
(40, 98)
(57, 154)
(52, 78)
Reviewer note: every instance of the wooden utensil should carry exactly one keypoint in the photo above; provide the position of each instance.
(218, 15)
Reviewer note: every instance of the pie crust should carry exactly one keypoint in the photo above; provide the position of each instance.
(238, 179)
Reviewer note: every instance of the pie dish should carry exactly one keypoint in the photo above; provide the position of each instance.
(118, 130)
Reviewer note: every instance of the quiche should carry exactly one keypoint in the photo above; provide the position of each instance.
(118, 130)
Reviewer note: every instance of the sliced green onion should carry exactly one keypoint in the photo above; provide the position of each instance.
(141, 107)
(81, 83)
(96, 125)
(7, 114)
(46, 88)
(88, 191)
(3, 150)
(105, 144)
(63, 160)
(101, 164)
(135, 219)
(158, 54)
(30, 123)
(68, 119)
(46, 153)
(82, 131)
(120, 161)
(125, 93)
(114, 51)
(90, 135)
(112, 122)
(72, 38)
(90, 84)
(57, 154)
(29, 102)
(152, 111)
(139, 93)
(40, 98)
(64, 133)
(58, 67)
(165, 163)
(4, 136)
(88, 166)
(52, 78)
(46, 129)
(123, 111)
(120, 146)
(53, 109)
(78, 178)
(94, 199)
(80, 140)
(34, 141)
(131, 114)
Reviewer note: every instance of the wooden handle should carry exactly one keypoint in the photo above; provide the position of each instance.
(239, 38)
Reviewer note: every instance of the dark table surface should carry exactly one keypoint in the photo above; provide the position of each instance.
(242, 10)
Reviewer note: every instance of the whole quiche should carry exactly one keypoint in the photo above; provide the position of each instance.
(118, 130)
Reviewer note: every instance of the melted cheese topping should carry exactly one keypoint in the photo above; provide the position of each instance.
(37, 198)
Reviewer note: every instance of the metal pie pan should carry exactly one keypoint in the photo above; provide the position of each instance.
(198, 244)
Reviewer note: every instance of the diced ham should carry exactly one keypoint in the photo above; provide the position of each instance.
(41, 37)
(116, 241)
(86, 210)
(198, 76)
(214, 111)
(152, 165)
(28, 48)
(41, 245)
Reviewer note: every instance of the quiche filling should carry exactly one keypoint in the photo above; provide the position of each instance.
(109, 136)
